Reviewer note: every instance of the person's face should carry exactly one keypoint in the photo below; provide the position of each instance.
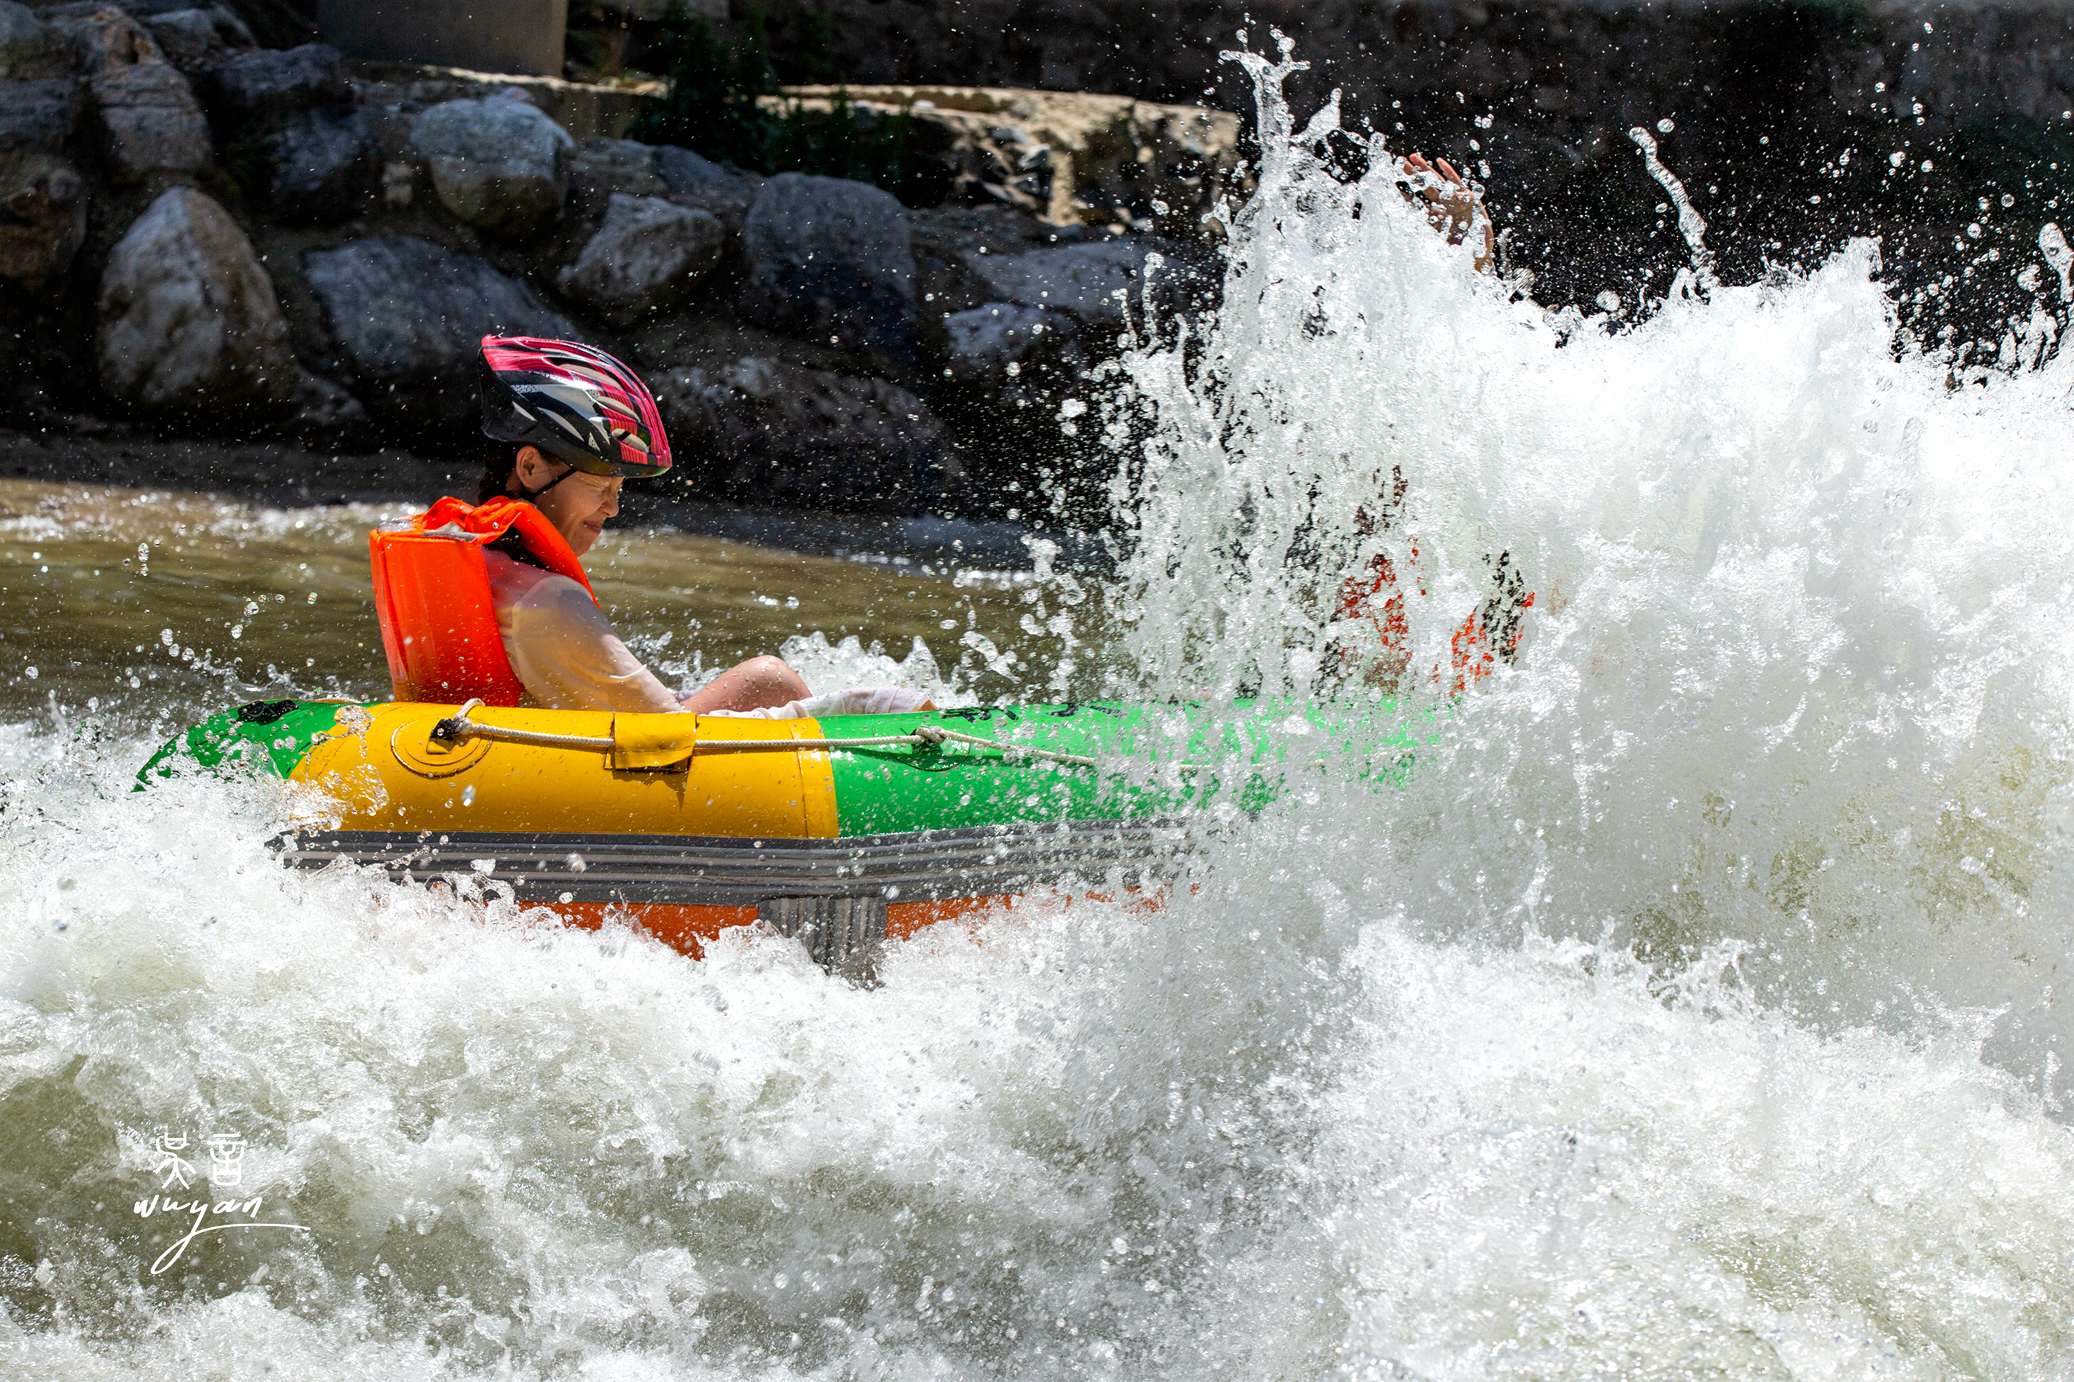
(578, 506)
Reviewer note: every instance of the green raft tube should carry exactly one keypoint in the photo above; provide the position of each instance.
(843, 830)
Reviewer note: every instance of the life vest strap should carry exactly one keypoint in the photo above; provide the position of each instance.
(490, 520)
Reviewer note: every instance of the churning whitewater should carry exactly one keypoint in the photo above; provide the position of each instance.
(1691, 1009)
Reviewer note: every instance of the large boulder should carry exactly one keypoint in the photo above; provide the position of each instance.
(598, 168)
(195, 40)
(95, 36)
(44, 202)
(295, 110)
(43, 198)
(684, 171)
(265, 88)
(994, 342)
(150, 122)
(190, 326)
(770, 433)
(28, 50)
(321, 167)
(829, 258)
(647, 256)
(148, 117)
(409, 317)
(1093, 283)
(496, 163)
(38, 115)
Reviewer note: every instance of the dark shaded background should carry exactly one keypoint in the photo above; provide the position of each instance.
(1767, 98)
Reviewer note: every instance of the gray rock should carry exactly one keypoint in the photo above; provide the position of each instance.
(322, 167)
(267, 87)
(38, 115)
(189, 323)
(684, 171)
(773, 433)
(320, 410)
(148, 118)
(149, 122)
(986, 340)
(409, 317)
(599, 169)
(100, 37)
(194, 40)
(28, 50)
(1080, 280)
(605, 166)
(296, 106)
(496, 163)
(647, 256)
(832, 258)
(43, 207)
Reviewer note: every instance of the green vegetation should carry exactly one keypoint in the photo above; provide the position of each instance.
(724, 102)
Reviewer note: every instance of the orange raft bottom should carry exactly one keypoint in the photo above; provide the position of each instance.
(688, 928)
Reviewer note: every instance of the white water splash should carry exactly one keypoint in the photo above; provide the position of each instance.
(1691, 224)
(1794, 690)
(2053, 245)
(1690, 1010)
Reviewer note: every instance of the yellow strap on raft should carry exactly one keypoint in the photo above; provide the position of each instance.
(653, 742)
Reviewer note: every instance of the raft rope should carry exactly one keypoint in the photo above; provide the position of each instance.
(459, 729)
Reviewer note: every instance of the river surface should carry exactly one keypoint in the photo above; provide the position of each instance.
(134, 602)
(1690, 1011)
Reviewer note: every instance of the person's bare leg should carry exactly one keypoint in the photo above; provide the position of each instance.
(752, 685)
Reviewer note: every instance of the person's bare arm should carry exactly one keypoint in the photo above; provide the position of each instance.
(1455, 209)
(757, 684)
(751, 687)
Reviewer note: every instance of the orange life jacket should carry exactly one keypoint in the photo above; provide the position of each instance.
(1490, 634)
(432, 596)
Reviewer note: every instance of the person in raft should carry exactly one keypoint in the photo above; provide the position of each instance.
(579, 424)
(1375, 647)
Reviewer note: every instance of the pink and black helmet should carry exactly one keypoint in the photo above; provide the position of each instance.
(574, 402)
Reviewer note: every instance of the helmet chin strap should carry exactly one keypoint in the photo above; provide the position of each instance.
(529, 495)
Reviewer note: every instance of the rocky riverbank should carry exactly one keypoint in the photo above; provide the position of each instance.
(208, 236)
(1795, 123)
(212, 238)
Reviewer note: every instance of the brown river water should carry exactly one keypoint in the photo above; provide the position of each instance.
(148, 603)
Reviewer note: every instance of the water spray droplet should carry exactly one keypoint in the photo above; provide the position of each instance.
(2054, 246)
(1690, 224)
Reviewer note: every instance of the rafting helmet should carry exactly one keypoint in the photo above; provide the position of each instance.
(574, 402)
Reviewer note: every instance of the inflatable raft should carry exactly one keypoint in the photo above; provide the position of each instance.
(843, 831)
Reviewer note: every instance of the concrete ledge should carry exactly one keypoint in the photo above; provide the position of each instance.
(586, 111)
(500, 35)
